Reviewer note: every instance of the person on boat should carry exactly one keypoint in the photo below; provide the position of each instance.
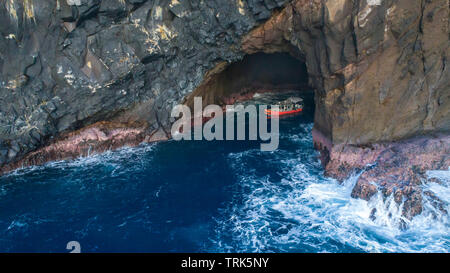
(290, 106)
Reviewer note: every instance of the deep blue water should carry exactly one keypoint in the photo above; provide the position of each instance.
(200, 196)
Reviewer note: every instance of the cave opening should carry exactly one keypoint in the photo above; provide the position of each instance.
(256, 73)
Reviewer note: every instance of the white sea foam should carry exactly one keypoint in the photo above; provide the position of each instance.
(307, 212)
(113, 159)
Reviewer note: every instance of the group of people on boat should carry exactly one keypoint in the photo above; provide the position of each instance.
(289, 106)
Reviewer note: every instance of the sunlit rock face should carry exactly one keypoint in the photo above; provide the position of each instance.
(379, 67)
(102, 74)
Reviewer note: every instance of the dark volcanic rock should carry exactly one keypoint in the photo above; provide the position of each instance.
(68, 64)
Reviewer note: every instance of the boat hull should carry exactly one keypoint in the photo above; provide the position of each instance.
(281, 113)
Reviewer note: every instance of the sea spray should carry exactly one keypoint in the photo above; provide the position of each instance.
(303, 211)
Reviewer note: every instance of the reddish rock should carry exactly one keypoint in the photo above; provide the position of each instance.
(396, 168)
(96, 138)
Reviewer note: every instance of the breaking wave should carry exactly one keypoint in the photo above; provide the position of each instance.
(302, 211)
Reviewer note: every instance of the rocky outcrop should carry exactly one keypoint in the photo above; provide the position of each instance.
(96, 138)
(379, 68)
(393, 168)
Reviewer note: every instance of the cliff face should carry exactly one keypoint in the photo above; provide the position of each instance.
(379, 67)
(68, 64)
(78, 76)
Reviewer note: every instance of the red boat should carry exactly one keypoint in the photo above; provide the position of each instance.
(286, 107)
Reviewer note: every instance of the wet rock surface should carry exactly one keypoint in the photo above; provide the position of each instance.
(394, 169)
(96, 138)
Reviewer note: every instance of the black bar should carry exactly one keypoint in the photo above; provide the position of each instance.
(275, 262)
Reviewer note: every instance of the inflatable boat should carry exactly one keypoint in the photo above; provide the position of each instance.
(290, 106)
